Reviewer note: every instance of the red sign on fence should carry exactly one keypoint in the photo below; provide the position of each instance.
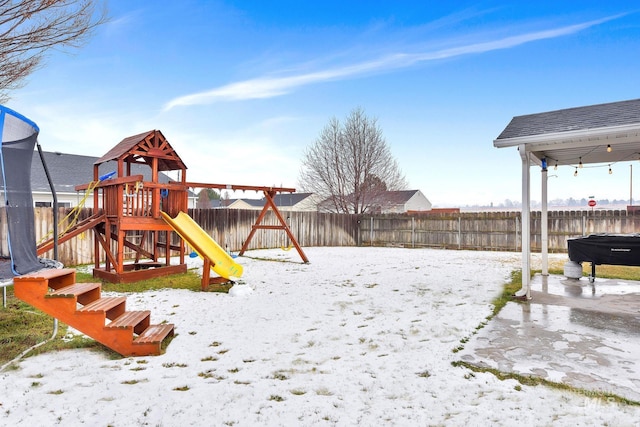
(592, 203)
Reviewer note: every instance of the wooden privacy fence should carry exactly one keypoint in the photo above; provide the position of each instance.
(493, 231)
(228, 227)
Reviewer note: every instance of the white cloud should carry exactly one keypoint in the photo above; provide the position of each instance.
(268, 87)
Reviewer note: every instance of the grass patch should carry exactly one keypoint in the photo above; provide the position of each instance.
(323, 391)
(510, 288)
(280, 376)
(189, 280)
(174, 365)
(22, 326)
(605, 271)
(499, 302)
(534, 381)
(424, 374)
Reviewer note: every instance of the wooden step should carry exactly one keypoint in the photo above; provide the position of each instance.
(137, 320)
(54, 278)
(80, 306)
(46, 273)
(111, 306)
(84, 292)
(154, 334)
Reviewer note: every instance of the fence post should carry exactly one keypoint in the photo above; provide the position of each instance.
(459, 232)
(517, 228)
(413, 232)
(371, 231)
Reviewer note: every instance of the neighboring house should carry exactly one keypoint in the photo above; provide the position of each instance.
(388, 202)
(69, 170)
(284, 201)
(401, 202)
(243, 204)
(392, 202)
(296, 202)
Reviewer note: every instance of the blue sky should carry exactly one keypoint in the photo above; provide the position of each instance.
(240, 89)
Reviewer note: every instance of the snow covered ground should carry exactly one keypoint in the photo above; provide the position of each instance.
(360, 336)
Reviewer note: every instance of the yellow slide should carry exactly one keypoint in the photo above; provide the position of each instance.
(204, 245)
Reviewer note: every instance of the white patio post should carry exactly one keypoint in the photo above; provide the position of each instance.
(544, 232)
(525, 291)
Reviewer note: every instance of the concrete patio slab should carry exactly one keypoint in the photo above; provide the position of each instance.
(571, 331)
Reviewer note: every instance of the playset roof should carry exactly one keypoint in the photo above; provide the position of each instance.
(143, 148)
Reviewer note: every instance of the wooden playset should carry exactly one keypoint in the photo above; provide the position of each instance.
(126, 205)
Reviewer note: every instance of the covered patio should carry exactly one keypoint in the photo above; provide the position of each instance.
(596, 134)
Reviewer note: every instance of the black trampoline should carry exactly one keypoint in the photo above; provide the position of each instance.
(19, 138)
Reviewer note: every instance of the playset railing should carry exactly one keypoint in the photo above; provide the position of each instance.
(131, 196)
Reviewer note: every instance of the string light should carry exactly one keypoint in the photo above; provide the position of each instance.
(555, 168)
(576, 172)
(609, 149)
(580, 165)
(610, 171)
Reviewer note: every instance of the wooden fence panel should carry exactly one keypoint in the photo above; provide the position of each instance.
(495, 231)
(231, 227)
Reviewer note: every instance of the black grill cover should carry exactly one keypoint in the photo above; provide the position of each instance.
(611, 249)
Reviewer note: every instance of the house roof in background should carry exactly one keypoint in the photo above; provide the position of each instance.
(282, 200)
(253, 202)
(289, 199)
(398, 197)
(69, 170)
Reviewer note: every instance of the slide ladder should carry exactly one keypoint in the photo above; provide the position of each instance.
(79, 228)
(81, 306)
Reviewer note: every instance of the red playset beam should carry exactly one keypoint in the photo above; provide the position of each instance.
(269, 192)
(239, 187)
(283, 225)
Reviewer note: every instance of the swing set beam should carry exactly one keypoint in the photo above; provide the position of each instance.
(269, 193)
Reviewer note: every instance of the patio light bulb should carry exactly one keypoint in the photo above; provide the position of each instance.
(580, 165)
(576, 172)
(609, 148)
(610, 171)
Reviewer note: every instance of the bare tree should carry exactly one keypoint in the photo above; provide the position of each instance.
(351, 166)
(203, 201)
(30, 28)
